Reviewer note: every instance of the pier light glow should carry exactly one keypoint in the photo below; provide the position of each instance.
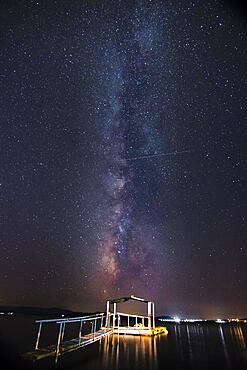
(220, 321)
(177, 319)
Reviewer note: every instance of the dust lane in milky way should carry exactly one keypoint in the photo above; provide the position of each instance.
(130, 126)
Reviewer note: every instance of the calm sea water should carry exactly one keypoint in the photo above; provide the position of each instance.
(187, 346)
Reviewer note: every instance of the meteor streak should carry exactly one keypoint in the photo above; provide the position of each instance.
(150, 156)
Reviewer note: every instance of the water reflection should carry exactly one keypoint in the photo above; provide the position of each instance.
(186, 347)
(135, 352)
(222, 336)
(238, 333)
(207, 346)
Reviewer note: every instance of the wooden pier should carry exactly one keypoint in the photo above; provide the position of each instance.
(101, 325)
(143, 325)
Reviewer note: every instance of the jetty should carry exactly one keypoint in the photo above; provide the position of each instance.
(93, 328)
(122, 323)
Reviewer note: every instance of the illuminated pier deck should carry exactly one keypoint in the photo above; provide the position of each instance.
(100, 325)
(143, 325)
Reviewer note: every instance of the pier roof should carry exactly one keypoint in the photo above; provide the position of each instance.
(125, 299)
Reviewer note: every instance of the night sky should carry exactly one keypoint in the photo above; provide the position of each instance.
(123, 149)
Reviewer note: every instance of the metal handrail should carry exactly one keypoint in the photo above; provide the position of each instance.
(69, 318)
(63, 321)
(131, 315)
(80, 319)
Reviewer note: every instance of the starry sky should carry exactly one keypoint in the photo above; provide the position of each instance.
(123, 154)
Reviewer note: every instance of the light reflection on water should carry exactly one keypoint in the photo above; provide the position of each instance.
(134, 351)
(187, 346)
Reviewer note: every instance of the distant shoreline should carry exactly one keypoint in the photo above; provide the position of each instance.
(58, 312)
(39, 311)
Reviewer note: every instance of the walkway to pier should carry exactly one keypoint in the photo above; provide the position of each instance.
(61, 347)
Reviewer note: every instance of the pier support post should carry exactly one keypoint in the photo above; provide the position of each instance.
(153, 316)
(114, 314)
(38, 336)
(107, 314)
(94, 329)
(118, 322)
(62, 335)
(149, 314)
(59, 338)
(80, 333)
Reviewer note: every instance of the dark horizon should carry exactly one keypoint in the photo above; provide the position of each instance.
(123, 155)
(49, 311)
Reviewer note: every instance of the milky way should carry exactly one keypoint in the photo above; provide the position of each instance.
(123, 154)
(129, 127)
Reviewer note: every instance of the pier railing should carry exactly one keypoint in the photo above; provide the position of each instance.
(131, 319)
(102, 325)
(146, 321)
(61, 323)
